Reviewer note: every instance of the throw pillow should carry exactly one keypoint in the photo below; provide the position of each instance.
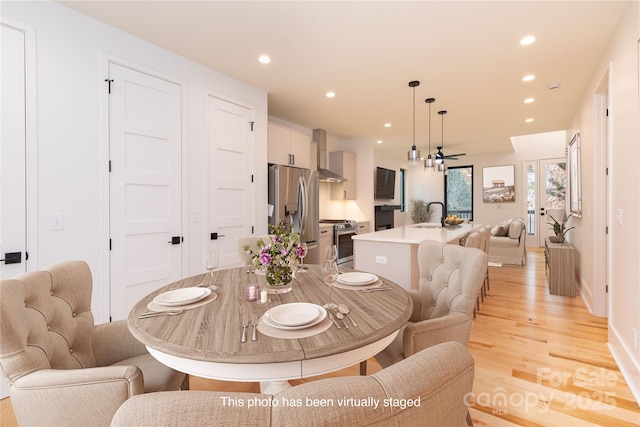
(499, 231)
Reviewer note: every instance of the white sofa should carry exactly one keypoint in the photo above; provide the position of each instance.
(507, 242)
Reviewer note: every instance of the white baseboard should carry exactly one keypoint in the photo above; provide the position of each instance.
(628, 367)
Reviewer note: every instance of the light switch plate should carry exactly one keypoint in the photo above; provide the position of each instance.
(619, 216)
(56, 221)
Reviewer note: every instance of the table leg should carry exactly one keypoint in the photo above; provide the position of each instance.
(273, 387)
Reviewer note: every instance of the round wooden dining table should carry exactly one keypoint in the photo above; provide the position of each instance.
(205, 341)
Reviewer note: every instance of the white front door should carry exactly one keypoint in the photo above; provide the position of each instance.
(546, 194)
(13, 205)
(145, 147)
(231, 209)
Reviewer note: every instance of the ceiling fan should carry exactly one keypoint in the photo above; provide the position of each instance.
(441, 156)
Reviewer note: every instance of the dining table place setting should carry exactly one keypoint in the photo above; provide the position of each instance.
(357, 281)
(294, 320)
(175, 301)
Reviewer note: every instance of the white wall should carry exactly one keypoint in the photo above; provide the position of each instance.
(72, 52)
(620, 64)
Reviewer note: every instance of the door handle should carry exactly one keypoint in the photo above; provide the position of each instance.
(175, 240)
(214, 236)
(12, 258)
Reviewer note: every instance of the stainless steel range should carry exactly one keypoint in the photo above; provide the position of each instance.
(343, 230)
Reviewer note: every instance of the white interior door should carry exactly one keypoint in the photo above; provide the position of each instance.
(13, 206)
(145, 186)
(231, 207)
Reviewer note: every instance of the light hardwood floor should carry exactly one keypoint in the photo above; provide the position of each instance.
(541, 360)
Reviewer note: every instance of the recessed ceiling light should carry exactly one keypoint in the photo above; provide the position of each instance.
(264, 59)
(529, 120)
(527, 40)
(528, 100)
(331, 94)
(528, 78)
(387, 125)
(379, 141)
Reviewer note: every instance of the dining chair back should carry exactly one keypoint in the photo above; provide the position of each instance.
(450, 278)
(62, 369)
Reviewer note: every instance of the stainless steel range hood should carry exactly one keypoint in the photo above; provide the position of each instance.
(324, 174)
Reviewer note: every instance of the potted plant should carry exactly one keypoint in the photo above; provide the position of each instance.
(559, 228)
(419, 211)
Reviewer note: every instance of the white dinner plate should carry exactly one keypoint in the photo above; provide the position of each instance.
(182, 296)
(294, 314)
(270, 322)
(356, 278)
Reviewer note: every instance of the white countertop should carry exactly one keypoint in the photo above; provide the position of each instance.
(416, 233)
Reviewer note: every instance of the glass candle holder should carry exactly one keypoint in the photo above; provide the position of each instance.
(251, 292)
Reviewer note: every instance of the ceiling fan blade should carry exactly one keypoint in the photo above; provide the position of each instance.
(451, 156)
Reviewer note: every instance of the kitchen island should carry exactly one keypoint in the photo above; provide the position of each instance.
(393, 253)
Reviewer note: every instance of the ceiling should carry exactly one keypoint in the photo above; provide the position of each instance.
(466, 55)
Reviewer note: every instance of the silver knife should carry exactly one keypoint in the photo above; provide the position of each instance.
(334, 320)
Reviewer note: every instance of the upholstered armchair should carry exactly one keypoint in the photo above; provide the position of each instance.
(437, 380)
(62, 369)
(451, 277)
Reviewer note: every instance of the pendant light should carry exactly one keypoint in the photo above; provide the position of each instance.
(428, 162)
(414, 154)
(440, 161)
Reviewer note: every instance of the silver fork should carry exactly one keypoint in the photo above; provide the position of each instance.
(334, 320)
(244, 331)
(381, 288)
(254, 334)
(160, 313)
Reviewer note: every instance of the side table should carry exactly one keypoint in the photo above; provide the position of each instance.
(559, 260)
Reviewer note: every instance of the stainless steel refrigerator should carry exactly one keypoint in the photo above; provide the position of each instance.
(293, 196)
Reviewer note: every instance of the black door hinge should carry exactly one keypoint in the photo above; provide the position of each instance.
(606, 288)
(251, 123)
(252, 229)
(606, 229)
(109, 81)
(109, 165)
(109, 244)
(251, 177)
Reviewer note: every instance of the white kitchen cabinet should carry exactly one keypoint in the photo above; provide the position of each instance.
(288, 147)
(344, 164)
(326, 239)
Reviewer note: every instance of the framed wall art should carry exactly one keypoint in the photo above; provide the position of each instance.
(498, 184)
(575, 189)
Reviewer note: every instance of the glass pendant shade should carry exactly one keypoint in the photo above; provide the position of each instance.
(440, 160)
(428, 162)
(413, 155)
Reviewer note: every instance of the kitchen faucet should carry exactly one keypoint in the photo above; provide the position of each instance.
(441, 210)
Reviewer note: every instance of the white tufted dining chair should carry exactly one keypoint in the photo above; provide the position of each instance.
(450, 278)
(63, 370)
